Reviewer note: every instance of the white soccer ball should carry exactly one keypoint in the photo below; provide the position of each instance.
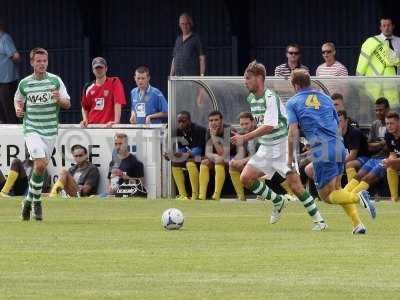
(172, 219)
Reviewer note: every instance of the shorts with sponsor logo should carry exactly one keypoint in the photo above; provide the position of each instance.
(271, 159)
(38, 146)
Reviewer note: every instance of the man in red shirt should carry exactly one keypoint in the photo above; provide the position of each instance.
(102, 99)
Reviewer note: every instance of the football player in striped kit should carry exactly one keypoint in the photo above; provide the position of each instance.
(38, 100)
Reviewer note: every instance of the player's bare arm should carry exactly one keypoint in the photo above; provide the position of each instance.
(293, 137)
(260, 131)
(62, 102)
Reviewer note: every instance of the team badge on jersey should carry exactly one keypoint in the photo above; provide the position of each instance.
(140, 110)
(99, 103)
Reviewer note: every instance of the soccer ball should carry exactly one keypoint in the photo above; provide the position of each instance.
(172, 219)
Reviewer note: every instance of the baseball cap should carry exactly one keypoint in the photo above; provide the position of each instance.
(99, 62)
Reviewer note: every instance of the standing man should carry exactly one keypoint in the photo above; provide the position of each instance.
(9, 57)
(313, 113)
(81, 180)
(188, 58)
(270, 158)
(293, 62)
(331, 67)
(380, 56)
(148, 103)
(38, 99)
(103, 98)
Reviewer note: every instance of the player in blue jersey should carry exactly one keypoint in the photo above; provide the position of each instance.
(313, 113)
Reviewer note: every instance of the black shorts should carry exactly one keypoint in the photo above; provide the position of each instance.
(20, 187)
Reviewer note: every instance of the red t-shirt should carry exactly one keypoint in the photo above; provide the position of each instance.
(99, 100)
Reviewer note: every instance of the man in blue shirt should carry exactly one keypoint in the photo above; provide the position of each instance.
(148, 103)
(9, 76)
(313, 113)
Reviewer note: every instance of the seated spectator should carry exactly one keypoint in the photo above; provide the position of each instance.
(331, 67)
(103, 98)
(191, 143)
(218, 151)
(81, 180)
(338, 102)
(236, 165)
(293, 62)
(124, 167)
(148, 103)
(376, 141)
(392, 163)
(354, 141)
(17, 182)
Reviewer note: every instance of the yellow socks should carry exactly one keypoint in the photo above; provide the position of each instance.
(343, 197)
(179, 178)
(11, 178)
(351, 211)
(237, 184)
(204, 178)
(194, 178)
(351, 185)
(393, 181)
(219, 181)
(56, 187)
(362, 186)
(351, 173)
(287, 188)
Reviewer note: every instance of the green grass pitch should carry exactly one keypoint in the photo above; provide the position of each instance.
(117, 249)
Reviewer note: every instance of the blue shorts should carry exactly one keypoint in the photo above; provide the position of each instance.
(363, 159)
(375, 166)
(324, 172)
(329, 167)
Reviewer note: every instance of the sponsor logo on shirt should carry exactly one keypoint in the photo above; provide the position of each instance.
(99, 103)
(259, 120)
(39, 98)
(140, 110)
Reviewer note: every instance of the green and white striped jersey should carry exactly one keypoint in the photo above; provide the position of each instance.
(41, 113)
(269, 110)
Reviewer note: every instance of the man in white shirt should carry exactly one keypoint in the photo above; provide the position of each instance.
(387, 28)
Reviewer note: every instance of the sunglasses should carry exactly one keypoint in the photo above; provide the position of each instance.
(79, 155)
(326, 51)
(293, 53)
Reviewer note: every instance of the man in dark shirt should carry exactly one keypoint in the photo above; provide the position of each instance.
(392, 163)
(191, 140)
(82, 179)
(219, 150)
(376, 144)
(354, 141)
(338, 102)
(188, 55)
(124, 166)
(372, 170)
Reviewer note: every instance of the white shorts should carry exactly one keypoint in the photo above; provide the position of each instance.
(271, 159)
(39, 147)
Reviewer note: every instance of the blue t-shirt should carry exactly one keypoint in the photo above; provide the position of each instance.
(315, 114)
(8, 69)
(318, 120)
(151, 102)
